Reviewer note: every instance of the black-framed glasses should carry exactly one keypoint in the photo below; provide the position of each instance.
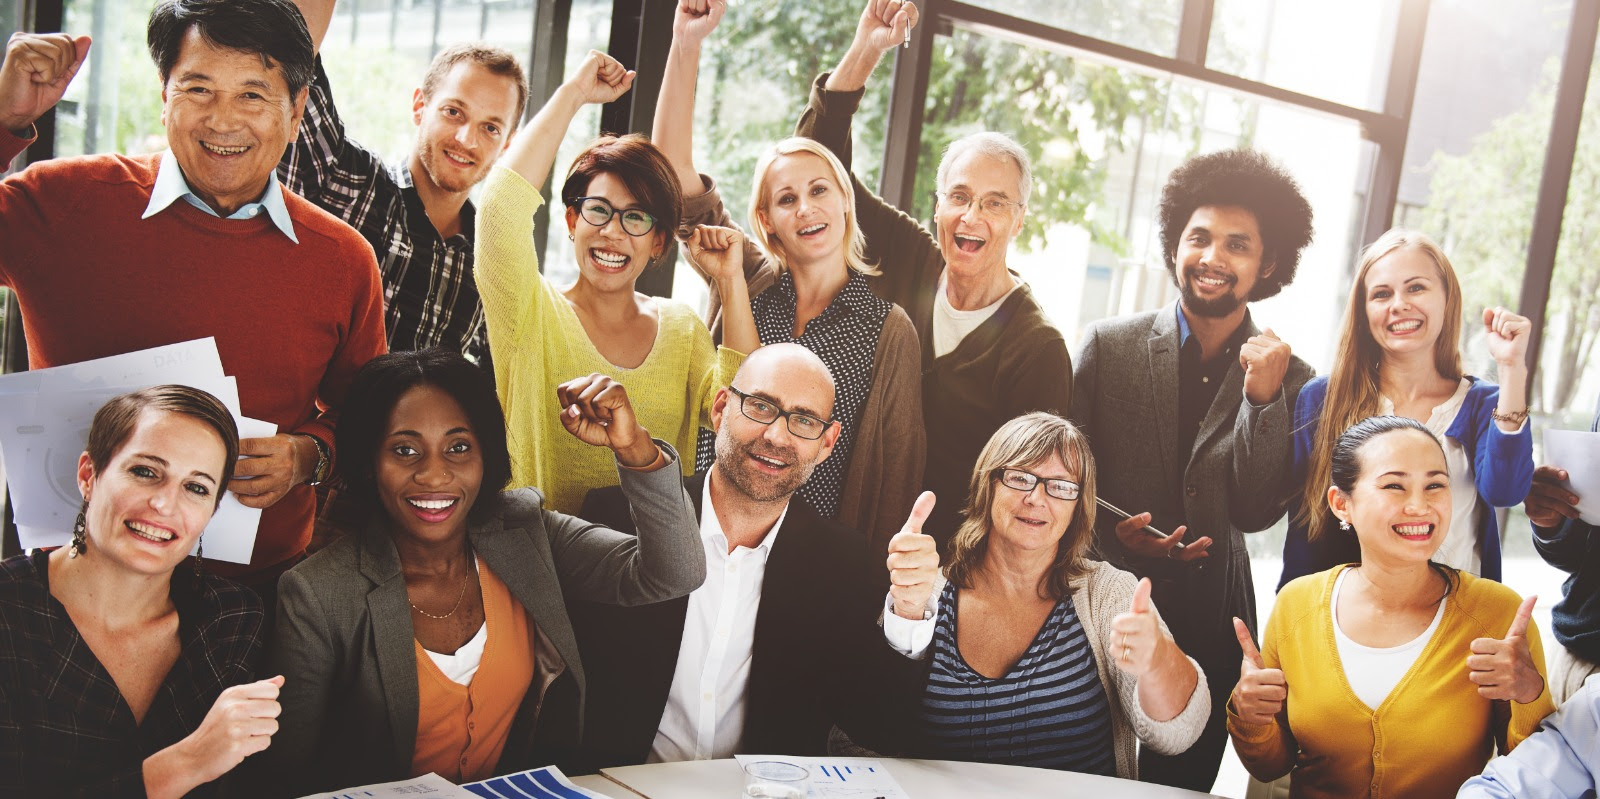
(765, 411)
(598, 211)
(991, 205)
(1019, 480)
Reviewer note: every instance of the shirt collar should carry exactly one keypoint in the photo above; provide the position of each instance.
(1184, 332)
(711, 527)
(170, 186)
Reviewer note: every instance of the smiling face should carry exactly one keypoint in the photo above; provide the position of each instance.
(974, 242)
(1406, 302)
(428, 468)
(1400, 503)
(464, 125)
(608, 257)
(1219, 260)
(766, 462)
(1032, 520)
(804, 209)
(229, 117)
(156, 493)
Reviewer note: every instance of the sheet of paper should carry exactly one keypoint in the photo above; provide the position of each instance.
(1578, 452)
(542, 783)
(841, 777)
(428, 786)
(172, 363)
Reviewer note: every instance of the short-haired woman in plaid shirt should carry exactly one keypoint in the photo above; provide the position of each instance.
(120, 673)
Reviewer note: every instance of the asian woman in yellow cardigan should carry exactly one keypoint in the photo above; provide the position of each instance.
(1396, 676)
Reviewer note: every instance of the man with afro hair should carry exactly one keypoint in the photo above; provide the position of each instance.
(1188, 408)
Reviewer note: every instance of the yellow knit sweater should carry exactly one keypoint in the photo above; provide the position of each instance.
(539, 343)
(1429, 736)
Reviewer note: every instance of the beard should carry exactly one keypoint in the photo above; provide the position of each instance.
(432, 158)
(1214, 308)
(733, 461)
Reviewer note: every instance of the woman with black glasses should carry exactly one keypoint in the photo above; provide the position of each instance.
(1040, 656)
(623, 202)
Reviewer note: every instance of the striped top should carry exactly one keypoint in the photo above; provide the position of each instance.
(1048, 711)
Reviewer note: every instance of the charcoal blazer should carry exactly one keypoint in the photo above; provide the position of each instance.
(820, 601)
(1235, 480)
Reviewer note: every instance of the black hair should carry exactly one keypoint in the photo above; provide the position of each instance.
(1346, 462)
(1249, 180)
(377, 388)
(272, 29)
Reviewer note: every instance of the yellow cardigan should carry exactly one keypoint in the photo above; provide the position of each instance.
(538, 343)
(1429, 736)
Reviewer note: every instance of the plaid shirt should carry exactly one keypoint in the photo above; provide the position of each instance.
(65, 729)
(430, 299)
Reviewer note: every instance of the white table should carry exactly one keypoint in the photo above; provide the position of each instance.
(921, 779)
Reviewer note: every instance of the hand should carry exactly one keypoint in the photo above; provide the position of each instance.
(718, 251)
(1265, 360)
(600, 79)
(1258, 698)
(1503, 668)
(1131, 533)
(913, 562)
(240, 723)
(1508, 336)
(271, 467)
(597, 411)
(884, 25)
(1548, 503)
(37, 69)
(1137, 637)
(696, 19)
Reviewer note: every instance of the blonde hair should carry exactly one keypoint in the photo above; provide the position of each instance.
(855, 241)
(1353, 385)
(1022, 443)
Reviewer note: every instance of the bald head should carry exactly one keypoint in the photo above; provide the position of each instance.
(766, 461)
(791, 374)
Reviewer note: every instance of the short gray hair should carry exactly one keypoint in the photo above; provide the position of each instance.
(994, 145)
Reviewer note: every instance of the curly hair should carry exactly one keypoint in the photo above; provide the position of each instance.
(1249, 180)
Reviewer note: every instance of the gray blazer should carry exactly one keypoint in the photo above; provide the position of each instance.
(343, 639)
(1235, 480)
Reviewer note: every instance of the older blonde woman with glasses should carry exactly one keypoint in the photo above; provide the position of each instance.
(1040, 656)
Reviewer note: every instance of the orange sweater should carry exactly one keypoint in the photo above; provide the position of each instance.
(293, 322)
(1430, 735)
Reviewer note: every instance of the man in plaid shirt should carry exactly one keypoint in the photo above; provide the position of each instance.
(416, 214)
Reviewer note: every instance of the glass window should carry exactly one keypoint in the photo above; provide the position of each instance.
(1337, 51)
(589, 28)
(114, 103)
(1150, 25)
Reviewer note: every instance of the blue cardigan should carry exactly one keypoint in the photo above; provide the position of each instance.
(1502, 468)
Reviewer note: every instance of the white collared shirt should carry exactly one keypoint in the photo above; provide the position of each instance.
(170, 185)
(705, 712)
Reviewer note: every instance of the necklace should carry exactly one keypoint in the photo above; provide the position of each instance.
(465, 580)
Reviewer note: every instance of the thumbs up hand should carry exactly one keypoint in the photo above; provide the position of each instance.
(1258, 698)
(1136, 636)
(913, 562)
(1503, 668)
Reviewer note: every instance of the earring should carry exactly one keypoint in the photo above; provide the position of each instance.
(1345, 525)
(569, 236)
(199, 552)
(80, 538)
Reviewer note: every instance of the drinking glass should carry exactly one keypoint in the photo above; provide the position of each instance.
(774, 779)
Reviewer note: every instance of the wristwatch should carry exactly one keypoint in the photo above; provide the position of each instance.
(319, 475)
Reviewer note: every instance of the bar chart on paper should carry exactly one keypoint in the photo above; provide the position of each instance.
(844, 778)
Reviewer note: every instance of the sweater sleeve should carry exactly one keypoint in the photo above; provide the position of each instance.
(711, 368)
(1524, 718)
(760, 272)
(1298, 559)
(1502, 466)
(22, 215)
(1259, 484)
(1268, 751)
(505, 263)
(1170, 737)
(664, 561)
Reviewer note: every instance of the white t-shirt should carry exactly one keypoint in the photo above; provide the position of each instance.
(1460, 549)
(950, 325)
(1373, 673)
(460, 666)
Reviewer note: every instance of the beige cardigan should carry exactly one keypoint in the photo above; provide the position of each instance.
(1098, 597)
(886, 462)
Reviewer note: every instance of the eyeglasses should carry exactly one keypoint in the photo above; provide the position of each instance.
(1019, 480)
(598, 212)
(988, 205)
(765, 411)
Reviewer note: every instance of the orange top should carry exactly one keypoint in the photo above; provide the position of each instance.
(461, 729)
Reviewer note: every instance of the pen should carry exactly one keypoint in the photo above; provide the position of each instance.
(1126, 515)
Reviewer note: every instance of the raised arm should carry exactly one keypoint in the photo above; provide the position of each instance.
(318, 13)
(36, 71)
(599, 79)
(673, 131)
(884, 25)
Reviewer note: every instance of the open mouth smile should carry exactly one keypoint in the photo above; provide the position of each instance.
(1418, 531)
(433, 509)
(969, 244)
(149, 532)
(224, 151)
(608, 260)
